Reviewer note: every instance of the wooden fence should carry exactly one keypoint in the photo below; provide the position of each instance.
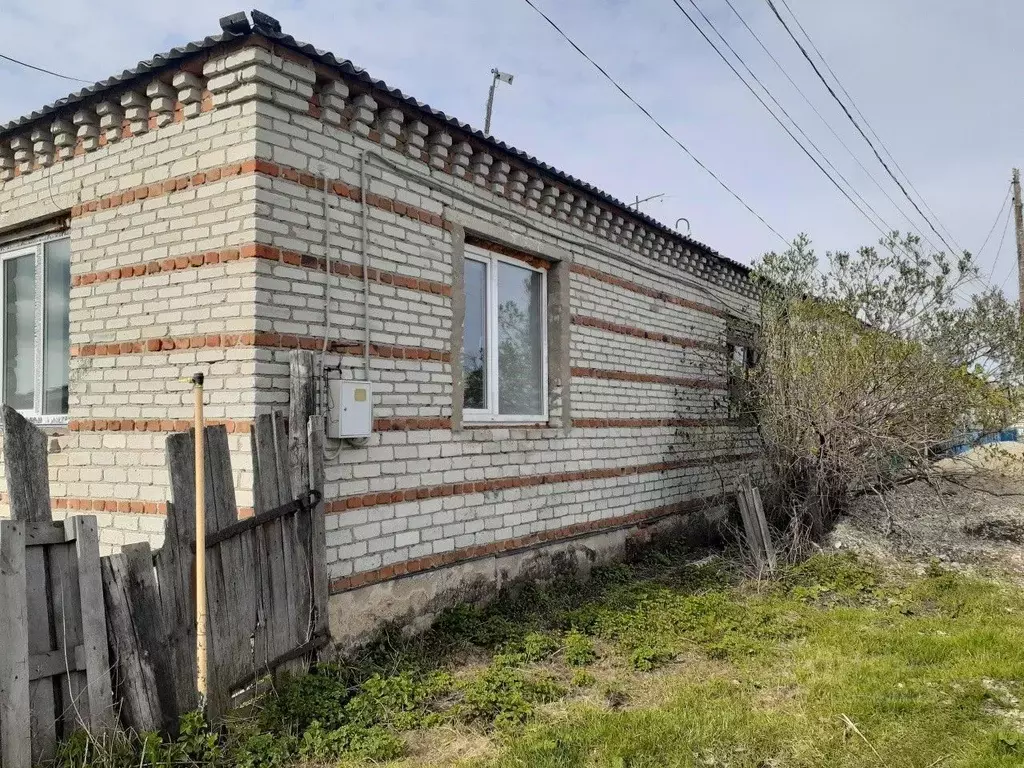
(54, 670)
(266, 587)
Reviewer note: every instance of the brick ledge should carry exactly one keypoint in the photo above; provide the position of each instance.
(508, 546)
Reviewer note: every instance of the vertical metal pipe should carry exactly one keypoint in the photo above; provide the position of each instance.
(200, 451)
(363, 192)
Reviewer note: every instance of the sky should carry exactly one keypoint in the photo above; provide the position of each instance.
(936, 79)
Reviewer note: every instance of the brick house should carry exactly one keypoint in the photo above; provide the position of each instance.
(548, 367)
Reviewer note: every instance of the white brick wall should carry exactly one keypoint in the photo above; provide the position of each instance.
(273, 123)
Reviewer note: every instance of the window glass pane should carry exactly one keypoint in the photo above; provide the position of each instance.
(56, 351)
(19, 332)
(520, 341)
(474, 338)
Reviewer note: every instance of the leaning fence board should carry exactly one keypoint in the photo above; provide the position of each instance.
(15, 715)
(750, 529)
(755, 525)
(28, 479)
(762, 523)
(135, 678)
(151, 627)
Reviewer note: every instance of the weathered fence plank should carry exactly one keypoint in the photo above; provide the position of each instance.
(318, 534)
(271, 492)
(176, 571)
(70, 619)
(135, 678)
(300, 408)
(93, 622)
(44, 568)
(25, 462)
(151, 628)
(15, 715)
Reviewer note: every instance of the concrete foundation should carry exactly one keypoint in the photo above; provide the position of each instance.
(414, 602)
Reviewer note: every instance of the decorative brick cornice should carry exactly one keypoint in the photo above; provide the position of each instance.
(338, 506)
(265, 253)
(649, 378)
(507, 546)
(262, 339)
(226, 75)
(640, 333)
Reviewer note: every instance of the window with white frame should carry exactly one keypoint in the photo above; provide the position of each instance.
(504, 345)
(35, 293)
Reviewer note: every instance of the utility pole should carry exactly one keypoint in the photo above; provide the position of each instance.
(505, 77)
(1018, 220)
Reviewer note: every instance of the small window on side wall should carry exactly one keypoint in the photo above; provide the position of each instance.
(741, 359)
(504, 350)
(34, 328)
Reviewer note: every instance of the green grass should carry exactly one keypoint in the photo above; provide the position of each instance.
(837, 663)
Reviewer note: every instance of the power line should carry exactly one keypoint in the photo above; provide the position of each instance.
(824, 121)
(881, 229)
(999, 215)
(856, 125)
(866, 123)
(1002, 242)
(784, 112)
(45, 71)
(651, 117)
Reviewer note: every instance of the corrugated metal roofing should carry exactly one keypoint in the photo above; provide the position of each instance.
(268, 27)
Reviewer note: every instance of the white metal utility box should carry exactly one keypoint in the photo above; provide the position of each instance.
(349, 409)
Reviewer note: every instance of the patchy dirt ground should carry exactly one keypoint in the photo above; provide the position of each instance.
(971, 517)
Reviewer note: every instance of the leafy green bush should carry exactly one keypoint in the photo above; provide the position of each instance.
(504, 695)
(579, 649)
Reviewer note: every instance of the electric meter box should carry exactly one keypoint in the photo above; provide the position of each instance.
(350, 409)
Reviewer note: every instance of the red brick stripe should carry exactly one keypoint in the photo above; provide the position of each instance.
(249, 339)
(263, 168)
(431, 562)
(152, 425)
(653, 293)
(166, 187)
(153, 267)
(410, 423)
(121, 506)
(389, 424)
(341, 189)
(124, 506)
(646, 423)
(264, 252)
(506, 250)
(650, 378)
(640, 333)
(338, 506)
